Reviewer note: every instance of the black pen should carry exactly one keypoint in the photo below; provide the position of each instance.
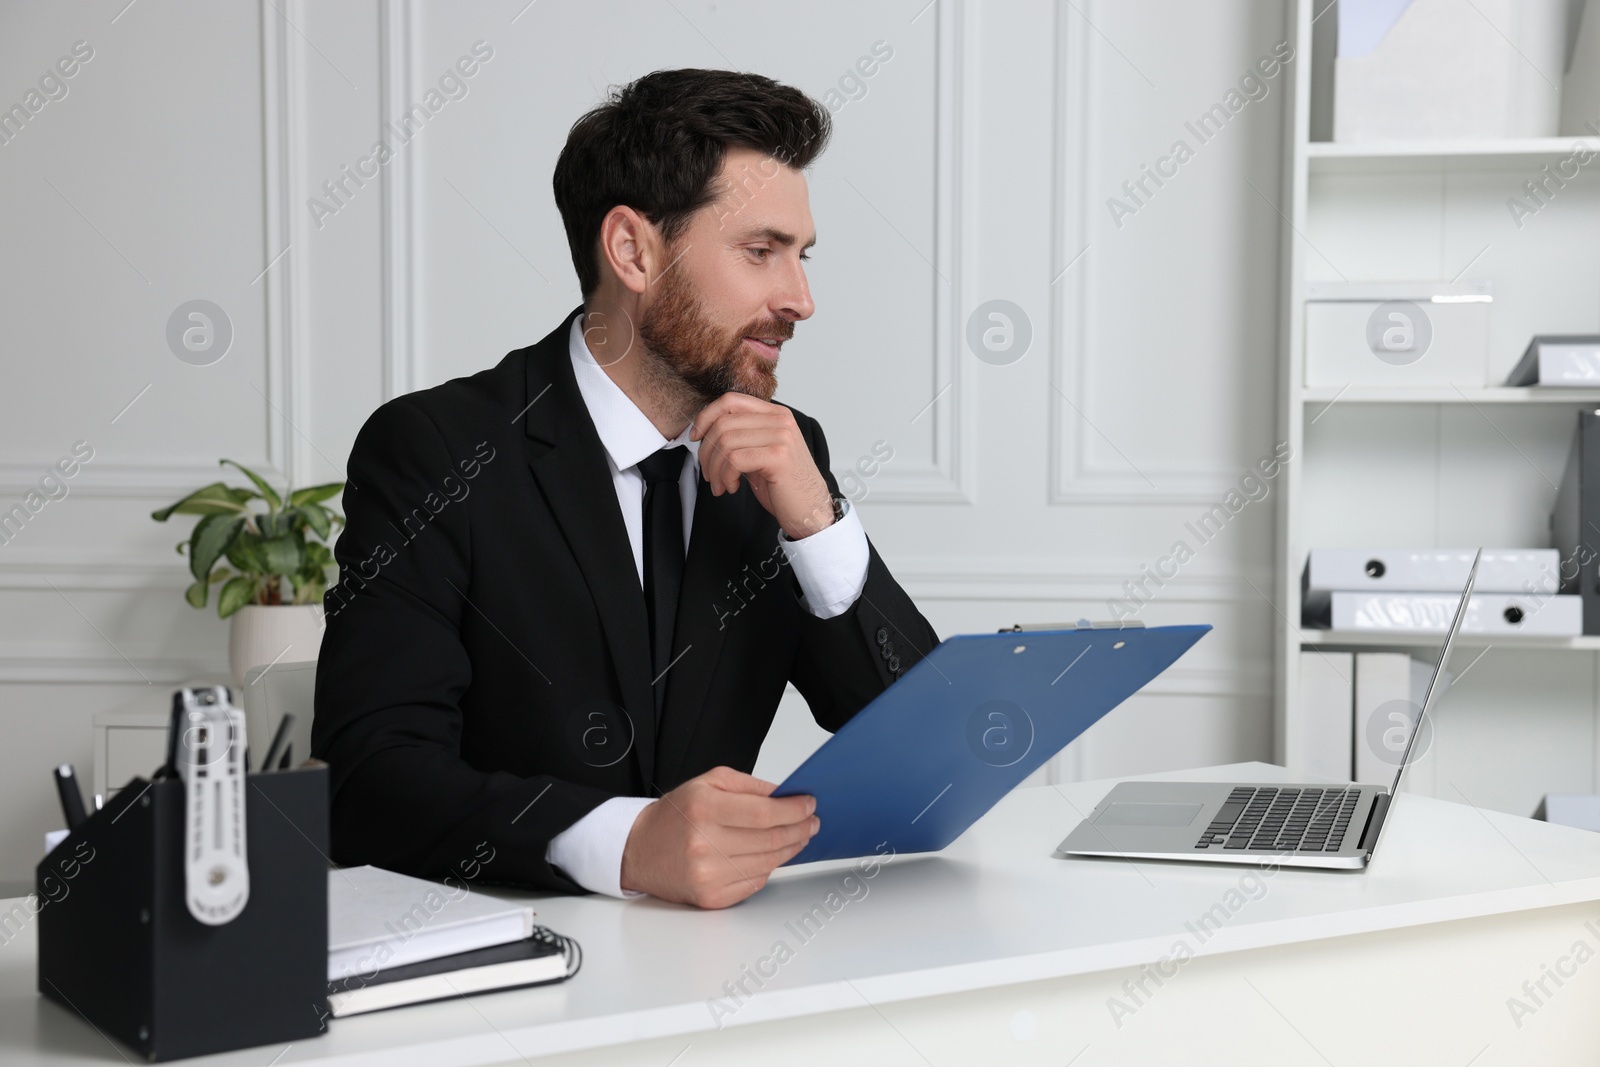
(278, 740)
(71, 798)
(283, 764)
(174, 729)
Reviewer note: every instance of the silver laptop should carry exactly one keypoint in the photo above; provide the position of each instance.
(1329, 826)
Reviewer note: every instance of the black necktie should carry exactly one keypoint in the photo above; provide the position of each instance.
(663, 556)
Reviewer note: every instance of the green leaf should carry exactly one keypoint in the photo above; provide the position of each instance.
(318, 518)
(267, 492)
(282, 554)
(235, 595)
(245, 553)
(197, 594)
(220, 574)
(214, 499)
(317, 556)
(315, 494)
(212, 535)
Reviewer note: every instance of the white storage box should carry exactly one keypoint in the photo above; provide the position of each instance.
(1437, 69)
(1405, 334)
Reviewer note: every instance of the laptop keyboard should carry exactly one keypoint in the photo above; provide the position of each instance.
(1282, 819)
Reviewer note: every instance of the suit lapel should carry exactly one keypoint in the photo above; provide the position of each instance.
(712, 562)
(569, 463)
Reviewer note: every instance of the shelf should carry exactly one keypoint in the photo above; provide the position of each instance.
(1447, 394)
(1431, 641)
(1382, 457)
(1337, 156)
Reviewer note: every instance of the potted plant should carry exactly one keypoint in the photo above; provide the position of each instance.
(272, 563)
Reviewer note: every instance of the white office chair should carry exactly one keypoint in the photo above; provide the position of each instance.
(269, 692)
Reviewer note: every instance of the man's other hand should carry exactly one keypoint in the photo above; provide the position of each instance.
(742, 435)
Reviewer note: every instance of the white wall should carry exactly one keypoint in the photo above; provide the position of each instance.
(976, 166)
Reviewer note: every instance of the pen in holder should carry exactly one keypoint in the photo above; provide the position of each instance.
(190, 930)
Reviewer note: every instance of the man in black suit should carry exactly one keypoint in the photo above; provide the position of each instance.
(574, 585)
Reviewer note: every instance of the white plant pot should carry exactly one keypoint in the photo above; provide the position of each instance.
(276, 633)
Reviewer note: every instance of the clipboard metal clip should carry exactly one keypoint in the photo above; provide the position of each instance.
(1081, 624)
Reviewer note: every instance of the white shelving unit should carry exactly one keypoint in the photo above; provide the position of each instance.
(1440, 466)
(1444, 394)
(1427, 643)
(1330, 156)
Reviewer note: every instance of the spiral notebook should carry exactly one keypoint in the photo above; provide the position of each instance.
(394, 939)
(544, 957)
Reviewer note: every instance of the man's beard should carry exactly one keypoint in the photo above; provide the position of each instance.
(693, 350)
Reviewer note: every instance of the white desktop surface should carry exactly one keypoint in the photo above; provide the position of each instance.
(994, 908)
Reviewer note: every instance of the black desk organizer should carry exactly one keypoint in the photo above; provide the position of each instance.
(121, 949)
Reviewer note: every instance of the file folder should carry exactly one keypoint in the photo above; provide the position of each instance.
(963, 727)
(1423, 570)
(1430, 613)
(1575, 521)
(1570, 360)
(1387, 685)
(1327, 695)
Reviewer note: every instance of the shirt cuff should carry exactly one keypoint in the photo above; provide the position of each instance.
(590, 850)
(830, 564)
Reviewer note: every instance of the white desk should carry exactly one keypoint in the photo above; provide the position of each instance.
(994, 951)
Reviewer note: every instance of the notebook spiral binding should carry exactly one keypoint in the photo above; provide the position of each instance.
(571, 951)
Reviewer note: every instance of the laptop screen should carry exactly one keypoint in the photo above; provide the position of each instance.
(1438, 670)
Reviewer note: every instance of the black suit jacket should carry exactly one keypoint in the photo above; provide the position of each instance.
(485, 672)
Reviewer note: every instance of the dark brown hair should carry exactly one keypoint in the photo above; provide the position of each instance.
(657, 144)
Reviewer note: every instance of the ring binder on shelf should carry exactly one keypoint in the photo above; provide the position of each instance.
(124, 952)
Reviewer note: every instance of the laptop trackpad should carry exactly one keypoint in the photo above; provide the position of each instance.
(1127, 813)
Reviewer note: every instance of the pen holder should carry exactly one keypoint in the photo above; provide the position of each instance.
(118, 946)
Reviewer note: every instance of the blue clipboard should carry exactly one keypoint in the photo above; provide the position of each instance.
(963, 727)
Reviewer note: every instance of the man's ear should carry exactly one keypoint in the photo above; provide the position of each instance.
(631, 245)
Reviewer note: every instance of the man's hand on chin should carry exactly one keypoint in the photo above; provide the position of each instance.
(742, 435)
(713, 841)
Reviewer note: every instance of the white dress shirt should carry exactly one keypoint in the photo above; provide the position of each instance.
(830, 565)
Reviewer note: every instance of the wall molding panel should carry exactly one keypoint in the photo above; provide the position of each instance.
(397, 20)
(284, 120)
(1096, 581)
(1074, 476)
(949, 477)
(98, 664)
(158, 482)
